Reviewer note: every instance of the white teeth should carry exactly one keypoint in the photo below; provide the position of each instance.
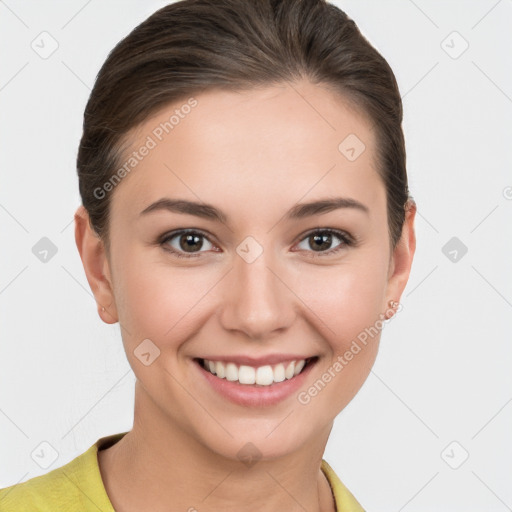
(299, 366)
(279, 375)
(290, 370)
(231, 372)
(220, 369)
(263, 375)
(246, 374)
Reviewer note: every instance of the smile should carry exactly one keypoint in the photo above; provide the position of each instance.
(263, 375)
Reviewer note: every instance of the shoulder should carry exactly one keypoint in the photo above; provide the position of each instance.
(55, 490)
(74, 487)
(345, 500)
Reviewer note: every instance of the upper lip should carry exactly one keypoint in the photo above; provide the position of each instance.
(258, 361)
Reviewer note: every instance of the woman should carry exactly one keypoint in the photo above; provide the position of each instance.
(246, 219)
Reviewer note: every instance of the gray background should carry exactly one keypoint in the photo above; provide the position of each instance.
(440, 390)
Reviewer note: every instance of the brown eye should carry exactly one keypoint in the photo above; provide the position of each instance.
(321, 240)
(190, 242)
(185, 244)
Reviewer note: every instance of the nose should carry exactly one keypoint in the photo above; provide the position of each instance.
(256, 299)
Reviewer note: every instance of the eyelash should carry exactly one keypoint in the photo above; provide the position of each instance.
(347, 240)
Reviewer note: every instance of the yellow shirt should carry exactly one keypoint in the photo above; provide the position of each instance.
(77, 487)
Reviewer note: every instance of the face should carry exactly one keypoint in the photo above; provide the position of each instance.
(264, 275)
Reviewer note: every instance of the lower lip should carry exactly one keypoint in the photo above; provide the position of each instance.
(252, 395)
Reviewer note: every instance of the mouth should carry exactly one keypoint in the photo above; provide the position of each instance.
(255, 377)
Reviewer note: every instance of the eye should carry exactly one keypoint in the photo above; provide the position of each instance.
(320, 239)
(185, 243)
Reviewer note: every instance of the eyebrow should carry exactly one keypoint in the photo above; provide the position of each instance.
(210, 212)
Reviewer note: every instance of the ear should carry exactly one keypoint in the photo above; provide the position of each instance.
(401, 259)
(96, 265)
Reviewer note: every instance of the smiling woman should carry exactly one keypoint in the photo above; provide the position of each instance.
(248, 256)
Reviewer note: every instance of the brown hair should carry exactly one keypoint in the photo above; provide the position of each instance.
(194, 45)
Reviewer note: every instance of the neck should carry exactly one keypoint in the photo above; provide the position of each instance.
(158, 463)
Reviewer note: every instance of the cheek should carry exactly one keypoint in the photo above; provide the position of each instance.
(346, 298)
(347, 314)
(160, 302)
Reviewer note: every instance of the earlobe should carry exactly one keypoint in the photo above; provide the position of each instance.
(96, 265)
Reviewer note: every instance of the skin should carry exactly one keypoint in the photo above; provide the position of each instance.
(253, 155)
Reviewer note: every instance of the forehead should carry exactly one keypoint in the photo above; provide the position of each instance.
(272, 145)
